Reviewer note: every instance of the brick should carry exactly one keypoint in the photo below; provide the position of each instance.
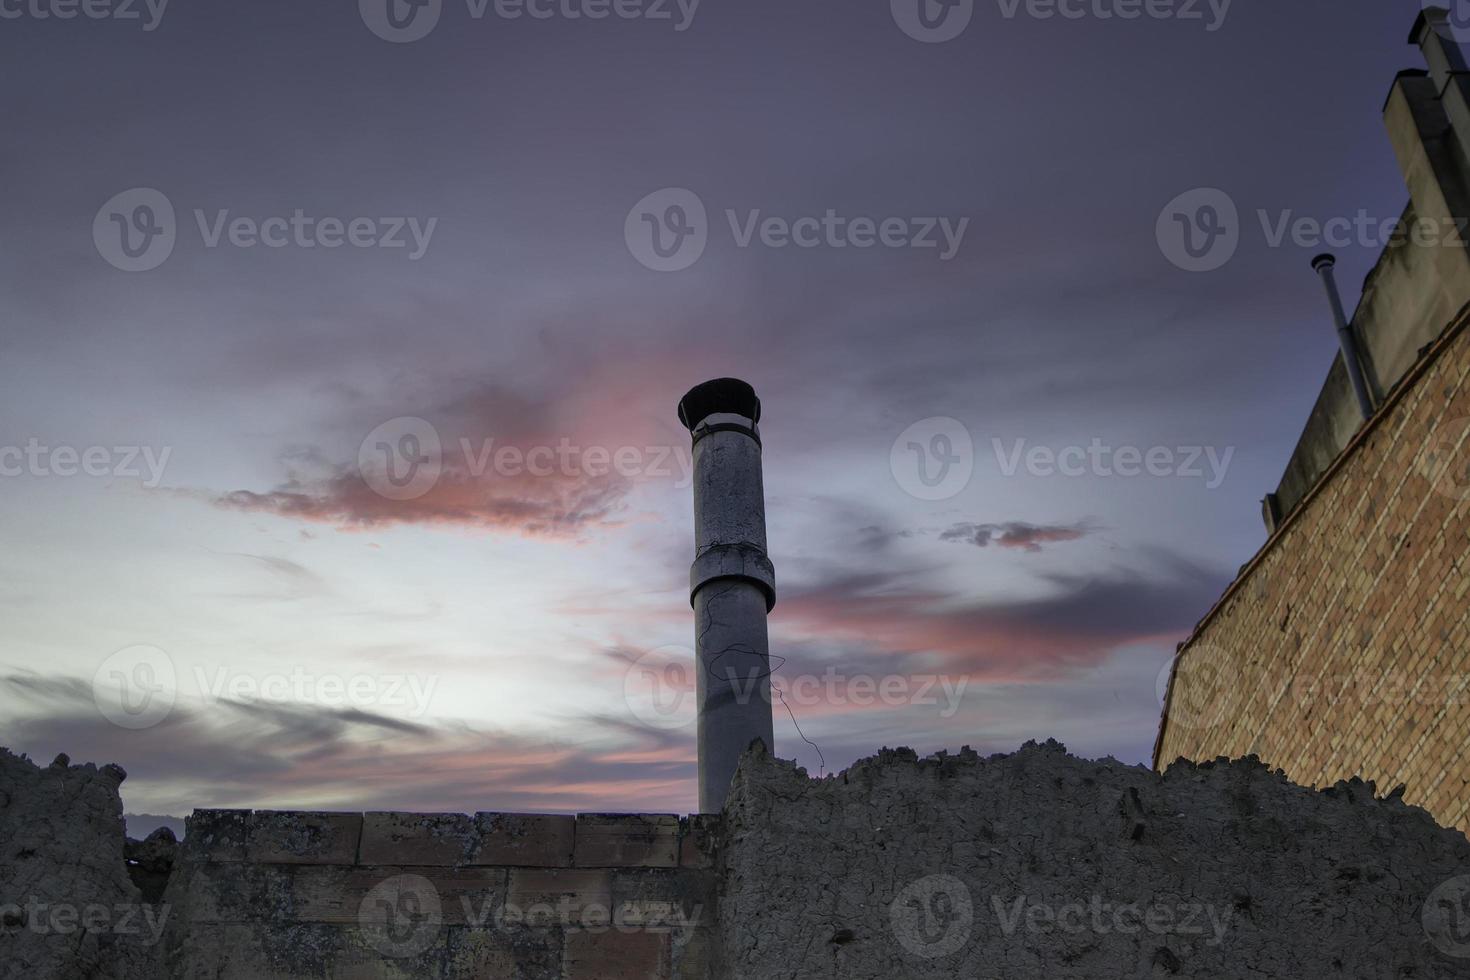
(525, 840)
(303, 837)
(620, 840)
(443, 839)
(216, 835)
(569, 890)
(508, 953)
(255, 951)
(661, 900)
(697, 841)
(345, 895)
(1369, 579)
(233, 891)
(616, 955)
(334, 894)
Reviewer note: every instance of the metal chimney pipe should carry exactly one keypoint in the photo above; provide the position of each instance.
(732, 584)
(1324, 264)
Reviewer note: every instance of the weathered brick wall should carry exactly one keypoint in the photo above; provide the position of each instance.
(290, 894)
(1344, 648)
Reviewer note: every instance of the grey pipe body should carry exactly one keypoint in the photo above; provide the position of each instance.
(1345, 338)
(732, 583)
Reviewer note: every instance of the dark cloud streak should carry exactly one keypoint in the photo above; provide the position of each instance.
(254, 753)
(1016, 534)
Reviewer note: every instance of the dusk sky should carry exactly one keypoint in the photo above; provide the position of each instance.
(449, 240)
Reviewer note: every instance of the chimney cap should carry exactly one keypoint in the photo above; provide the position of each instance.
(1435, 18)
(720, 396)
(1325, 259)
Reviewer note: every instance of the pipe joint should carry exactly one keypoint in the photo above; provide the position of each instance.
(734, 561)
(729, 424)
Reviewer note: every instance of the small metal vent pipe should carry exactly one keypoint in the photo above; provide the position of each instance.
(1324, 264)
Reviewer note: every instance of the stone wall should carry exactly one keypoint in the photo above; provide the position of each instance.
(1039, 865)
(1343, 649)
(67, 905)
(389, 895)
(1033, 866)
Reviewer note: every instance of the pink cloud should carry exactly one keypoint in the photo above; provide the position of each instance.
(557, 505)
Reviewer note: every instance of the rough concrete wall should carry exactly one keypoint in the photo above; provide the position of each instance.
(1035, 865)
(67, 906)
(1039, 865)
(1414, 289)
(1333, 422)
(398, 895)
(1344, 650)
(1406, 302)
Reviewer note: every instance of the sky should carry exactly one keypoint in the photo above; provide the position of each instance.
(1026, 298)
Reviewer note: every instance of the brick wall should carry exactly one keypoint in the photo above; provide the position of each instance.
(1343, 649)
(295, 894)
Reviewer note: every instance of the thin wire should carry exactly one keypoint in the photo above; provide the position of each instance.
(709, 668)
(822, 769)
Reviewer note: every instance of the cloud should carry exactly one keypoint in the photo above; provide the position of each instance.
(558, 505)
(238, 753)
(1016, 534)
(500, 459)
(1075, 621)
(294, 581)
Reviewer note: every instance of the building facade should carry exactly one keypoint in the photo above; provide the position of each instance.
(1343, 648)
